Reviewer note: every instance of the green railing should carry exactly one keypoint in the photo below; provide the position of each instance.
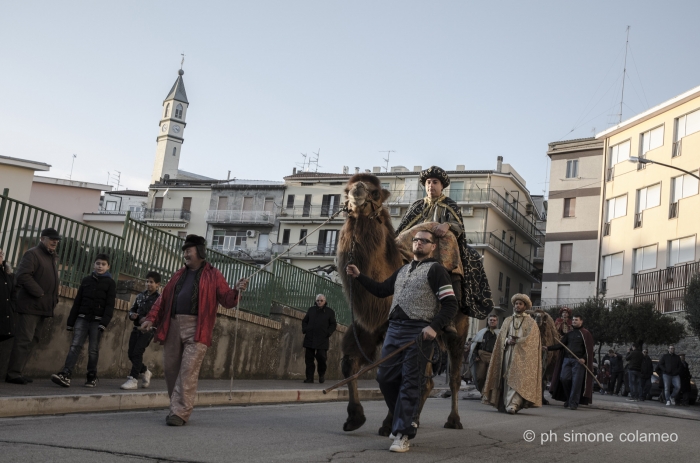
(20, 229)
(297, 288)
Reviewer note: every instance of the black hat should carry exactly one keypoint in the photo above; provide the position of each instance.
(194, 240)
(435, 172)
(50, 233)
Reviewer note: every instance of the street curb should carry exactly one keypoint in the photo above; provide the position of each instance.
(655, 411)
(11, 407)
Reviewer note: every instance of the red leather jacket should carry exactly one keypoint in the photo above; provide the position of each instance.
(213, 290)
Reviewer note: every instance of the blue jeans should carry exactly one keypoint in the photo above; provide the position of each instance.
(402, 377)
(635, 382)
(83, 330)
(646, 388)
(572, 376)
(676, 380)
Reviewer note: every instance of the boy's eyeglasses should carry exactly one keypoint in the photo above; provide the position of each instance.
(421, 240)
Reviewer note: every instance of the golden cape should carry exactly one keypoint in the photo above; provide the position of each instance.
(525, 373)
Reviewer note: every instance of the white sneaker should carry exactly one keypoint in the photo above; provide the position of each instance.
(146, 379)
(668, 402)
(673, 401)
(400, 444)
(131, 383)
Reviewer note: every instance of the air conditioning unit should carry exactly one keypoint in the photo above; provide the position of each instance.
(251, 233)
(528, 208)
(468, 211)
(395, 210)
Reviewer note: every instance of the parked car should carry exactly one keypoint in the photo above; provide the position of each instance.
(657, 386)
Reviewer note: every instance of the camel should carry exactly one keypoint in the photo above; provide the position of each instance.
(367, 240)
(548, 336)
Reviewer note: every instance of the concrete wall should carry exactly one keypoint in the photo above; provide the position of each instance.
(267, 348)
(18, 180)
(67, 201)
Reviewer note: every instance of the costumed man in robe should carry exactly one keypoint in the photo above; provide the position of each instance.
(514, 379)
(563, 322)
(571, 383)
(441, 214)
(481, 350)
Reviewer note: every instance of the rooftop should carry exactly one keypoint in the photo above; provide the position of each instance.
(128, 193)
(72, 183)
(26, 163)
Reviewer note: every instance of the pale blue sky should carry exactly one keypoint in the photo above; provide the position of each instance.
(439, 82)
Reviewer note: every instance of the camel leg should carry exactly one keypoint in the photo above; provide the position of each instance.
(427, 387)
(356, 414)
(455, 351)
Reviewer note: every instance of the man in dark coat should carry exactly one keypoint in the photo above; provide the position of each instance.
(472, 289)
(571, 383)
(634, 358)
(685, 375)
(37, 279)
(318, 326)
(670, 366)
(617, 369)
(647, 371)
(8, 297)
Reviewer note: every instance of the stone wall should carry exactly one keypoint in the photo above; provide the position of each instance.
(267, 348)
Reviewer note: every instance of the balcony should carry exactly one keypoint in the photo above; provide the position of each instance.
(166, 214)
(241, 217)
(509, 253)
(307, 250)
(539, 255)
(311, 212)
(256, 255)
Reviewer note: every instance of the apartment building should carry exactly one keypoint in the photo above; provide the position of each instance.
(499, 217)
(571, 248)
(649, 222)
(243, 218)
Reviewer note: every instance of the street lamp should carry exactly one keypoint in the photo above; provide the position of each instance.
(649, 161)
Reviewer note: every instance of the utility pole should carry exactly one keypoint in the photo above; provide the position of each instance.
(624, 72)
(386, 159)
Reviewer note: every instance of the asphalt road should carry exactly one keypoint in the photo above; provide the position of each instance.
(313, 433)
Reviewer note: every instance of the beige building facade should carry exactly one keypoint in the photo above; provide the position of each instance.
(649, 212)
(69, 198)
(17, 175)
(571, 248)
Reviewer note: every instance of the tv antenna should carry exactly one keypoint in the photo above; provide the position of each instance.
(70, 177)
(624, 72)
(115, 177)
(386, 159)
(303, 162)
(315, 160)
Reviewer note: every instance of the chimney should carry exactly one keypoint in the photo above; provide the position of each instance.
(228, 177)
(460, 167)
(357, 170)
(417, 168)
(499, 163)
(376, 170)
(294, 171)
(346, 170)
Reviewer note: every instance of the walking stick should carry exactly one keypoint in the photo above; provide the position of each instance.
(369, 367)
(584, 365)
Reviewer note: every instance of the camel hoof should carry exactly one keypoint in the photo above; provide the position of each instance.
(355, 423)
(384, 431)
(545, 402)
(454, 425)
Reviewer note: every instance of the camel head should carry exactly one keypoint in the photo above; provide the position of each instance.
(364, 195)
(539, 315)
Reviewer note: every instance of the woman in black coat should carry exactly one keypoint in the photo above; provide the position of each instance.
(8, 297)
(318, 326)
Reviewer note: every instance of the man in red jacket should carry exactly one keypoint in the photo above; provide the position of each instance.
(184, 317)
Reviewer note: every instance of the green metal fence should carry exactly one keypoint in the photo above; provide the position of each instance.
(296, 287)
(20, 229)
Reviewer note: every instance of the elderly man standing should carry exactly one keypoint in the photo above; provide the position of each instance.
(185, 315)
(510, 382)
(469, 281)
(37, 279)
(483, 345)
(318, 326)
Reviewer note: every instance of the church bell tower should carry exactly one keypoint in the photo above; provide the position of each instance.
(171, 132)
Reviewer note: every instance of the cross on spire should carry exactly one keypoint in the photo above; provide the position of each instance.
(183, 60)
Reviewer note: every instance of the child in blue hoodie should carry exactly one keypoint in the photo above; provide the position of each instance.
(91, 313)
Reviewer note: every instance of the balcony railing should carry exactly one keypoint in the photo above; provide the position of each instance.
(564, 266)
(638, 220)
(244, 254)
(502, 248)
(517, 217)
(166, 214)
(311, 212)
(676, 151)
(606, 229)
(610, 174)
(256, 217)
(673, 210)
(307, 250)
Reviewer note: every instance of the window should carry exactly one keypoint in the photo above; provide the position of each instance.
(616, 207)
(651, 139)
(135, 208)
(503, 236)
(507, 291)
(307, 206)
(681, 250)
(520, 288)
(619, 153)
(572, 168)
(174, 150)
(687, 124)
(269, 205)
(302, 236)
(457, 191)
(612, 265)
(178, 111)
(500, 281)
(290, 201)
(158, 204)
(648, 197)
(222, 203)
(182, 234)
(563, 292)
(187, 204)
(330, 205)
(285, 236)
(248, 203)
(263, 242)
(167, 110)
(683, 187)
(386, 186)
(645, 258)
(511, 241)
(226, 240)
(565, 254)
(327, 241)
(569, 207)
(111, 206)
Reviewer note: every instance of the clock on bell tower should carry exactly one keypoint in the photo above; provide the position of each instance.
(171, 133)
